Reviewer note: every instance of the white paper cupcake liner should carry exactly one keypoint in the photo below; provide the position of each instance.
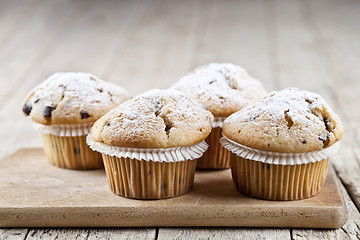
(64, 130)
(277, 158)
(176, 154)
(218, 122)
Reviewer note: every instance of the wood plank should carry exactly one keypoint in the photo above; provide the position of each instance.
(62, 198)
(303, 39)
(223, 233)
(13, 233)
(76, 47)
(61, 234)
(228, 37)
(98, 22)
(337, 25)
(10, 14)
(305, 64)
(31, 41)
(157, 51)
(217, 29)
(28, 40)
(349, 231)
(86, 233)
(123, 233)
(341, 47)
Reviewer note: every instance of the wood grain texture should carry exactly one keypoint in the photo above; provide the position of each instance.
(91, 234)
(309, 44)
(305, 37)
(68, 198)
(13, 233)
(223, 233)
(123, 233)
(349, 231)
(340, 53)
(93, 26)
(64, 233)
(307, 63)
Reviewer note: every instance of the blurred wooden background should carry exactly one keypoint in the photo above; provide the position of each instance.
(312, 45)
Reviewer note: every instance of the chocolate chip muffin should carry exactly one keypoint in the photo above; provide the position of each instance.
(223, 88)
(281, 145)
(150, 144)
(63, 108)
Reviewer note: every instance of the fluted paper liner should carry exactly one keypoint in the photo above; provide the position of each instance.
(278, 176)
(132, 178)
(275, 157)
(149, 173)
(65, 146)
(70, 152)
(278, 182)
(64, 130)
(216, 157)
(176, 154)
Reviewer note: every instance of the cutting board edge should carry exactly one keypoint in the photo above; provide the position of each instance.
(333, 217)
(12, 217)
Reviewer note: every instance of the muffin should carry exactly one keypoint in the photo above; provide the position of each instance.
(223, 89)
(150, 144)
(63, 108)
(281, 145)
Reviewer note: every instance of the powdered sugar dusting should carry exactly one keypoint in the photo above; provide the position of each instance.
(156, 118)
(297, 105)
(286, 121)
(77, 97)
(83, 88)
(223, 88)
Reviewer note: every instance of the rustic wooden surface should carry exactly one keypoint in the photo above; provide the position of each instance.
(55, 197)
(312, 45)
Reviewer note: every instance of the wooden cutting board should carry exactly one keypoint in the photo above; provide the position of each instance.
(34, 193)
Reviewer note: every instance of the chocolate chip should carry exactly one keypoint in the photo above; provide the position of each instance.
(27, 108)
(324, 138)
(167, 129)
(108, 123)
(48, 111)
(326, 122)
(100, 89)
(309, 101)
(37, 100)
(303, 141)
(84, 114)
(251, 118)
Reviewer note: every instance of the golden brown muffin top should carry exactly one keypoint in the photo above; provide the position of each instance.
(154, 119)
(72, 98)
(223, 88)
(290, 121)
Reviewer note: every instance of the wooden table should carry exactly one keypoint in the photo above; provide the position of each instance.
(140, 45)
